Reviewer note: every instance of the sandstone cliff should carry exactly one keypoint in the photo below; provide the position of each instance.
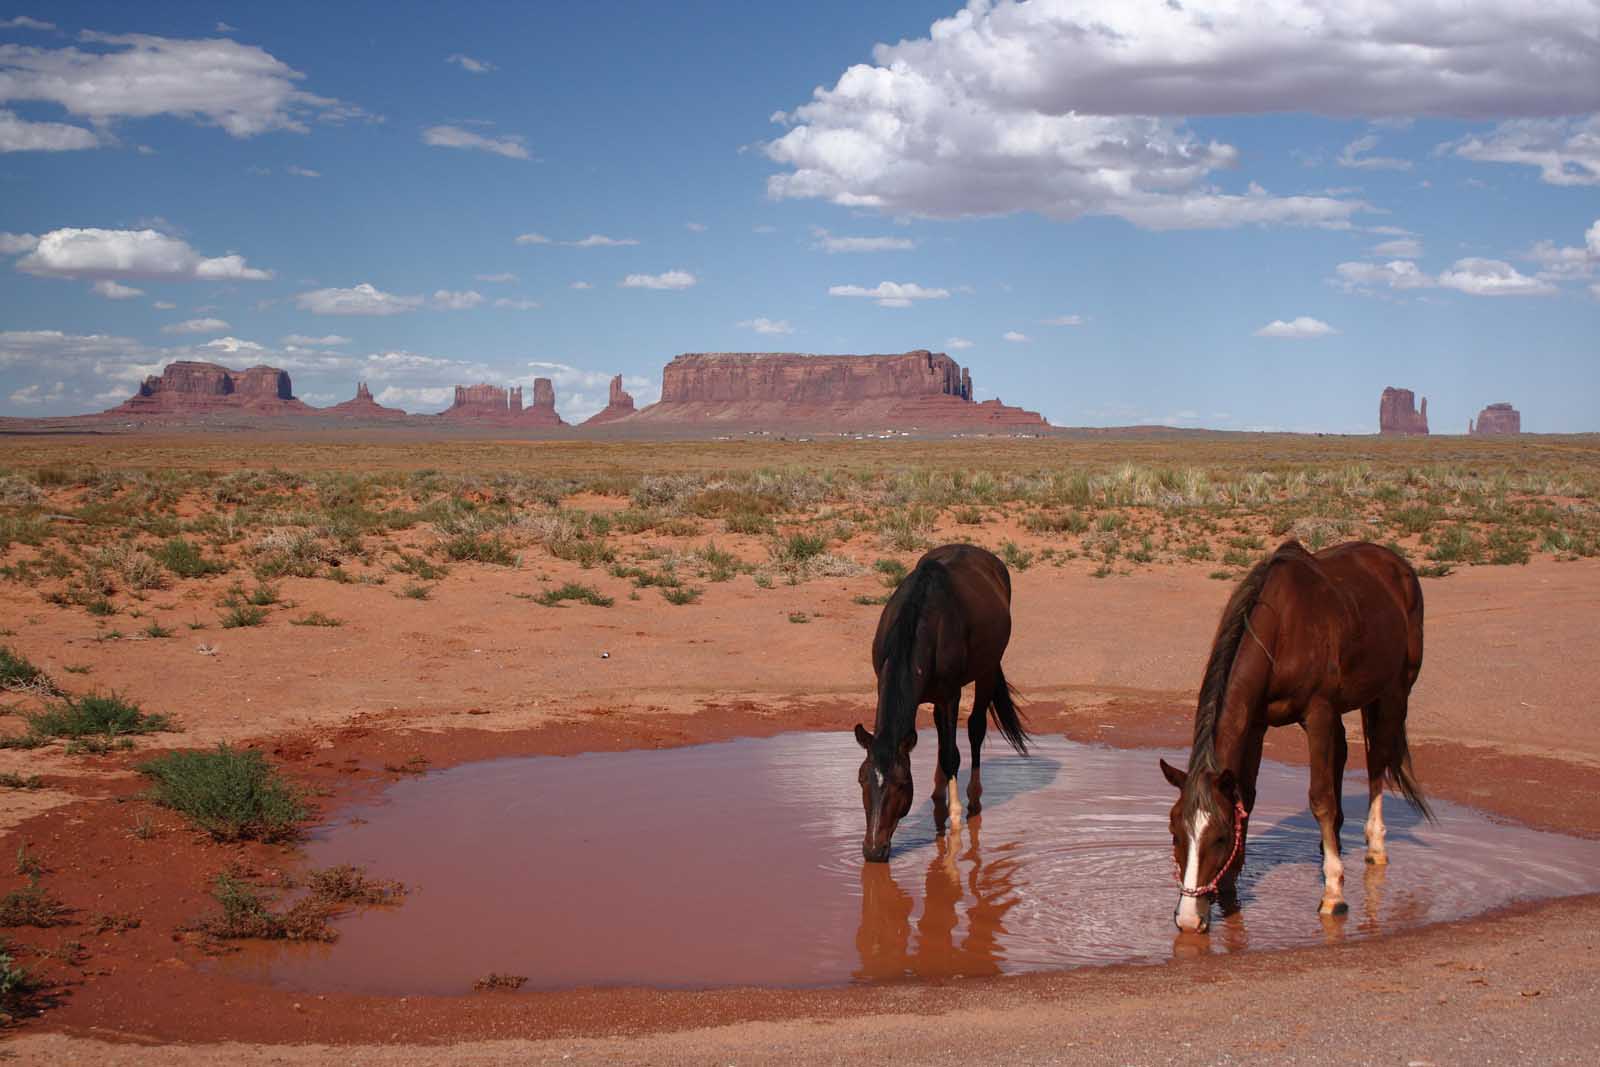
(502, 404)
(913, 389)
(1398, 414)
(618, 406)
(1496, 419)
(191, 387)
(362, 406)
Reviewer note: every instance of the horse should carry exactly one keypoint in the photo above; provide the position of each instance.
(945, 625)
(1304, 639)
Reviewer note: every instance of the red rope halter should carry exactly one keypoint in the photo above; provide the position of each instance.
(1239, 817)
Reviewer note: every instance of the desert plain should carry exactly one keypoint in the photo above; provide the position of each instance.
(367, 607)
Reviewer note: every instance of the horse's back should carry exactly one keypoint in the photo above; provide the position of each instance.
(1385, 598)
(979, 611)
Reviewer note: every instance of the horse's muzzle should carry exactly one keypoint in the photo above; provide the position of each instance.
(875, 853)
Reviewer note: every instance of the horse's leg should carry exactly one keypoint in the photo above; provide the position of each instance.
(977, 727)
(1325, 738)
(1375, 731)
(946, 803)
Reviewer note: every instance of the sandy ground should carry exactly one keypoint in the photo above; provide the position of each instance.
(1503, 717)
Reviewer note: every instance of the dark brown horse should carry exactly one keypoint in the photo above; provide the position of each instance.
(947, 624)
(1304, 639)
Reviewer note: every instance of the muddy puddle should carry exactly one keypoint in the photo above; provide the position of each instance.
(739, 863)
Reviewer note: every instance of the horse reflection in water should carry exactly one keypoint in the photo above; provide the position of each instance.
(960, 882)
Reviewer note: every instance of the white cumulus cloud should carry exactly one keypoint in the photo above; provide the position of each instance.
(196, 326)
(241, 88)
(94, 253)
(19, 135)
(331, 340)
(765, 325)
(470, 65)
(1566, 150)
(1014, 336)
(1301, 327)
(114, 291)
(1492, 277)
(445, 300)
(511, 146)
(672, 279)
(891, 294)
(830, 243)
(362, 299)
(1070, 107)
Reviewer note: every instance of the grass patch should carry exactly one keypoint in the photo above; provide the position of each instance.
(17, 672)
(504, 982)
(894, 572)
(242, 615)
(13, 780)
(95, 715)
(18, 988)
(348, 884)
(416, 591)
(232, 794)
(583, 594)
(870, 601)
(681, 595)
(32, 905)
(246, 913)
(1015, 556)
(479, 548)
(316, 618)
(799, 617)
(185, 559)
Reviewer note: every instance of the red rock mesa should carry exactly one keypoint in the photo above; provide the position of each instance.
(362, 406)
(913, 389)
(1398, 414)
(191, 387)
(618, 406)
(1496, 419)
(501, 404)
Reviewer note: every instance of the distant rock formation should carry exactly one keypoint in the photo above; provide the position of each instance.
(362, 406)
(618, 406)
(1496, 419)
(502, 404)
(543, 411)
(1398, 414)
(188, 387)
(911, 389)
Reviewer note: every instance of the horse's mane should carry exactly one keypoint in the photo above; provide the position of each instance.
(897, 708)
(1231, 629)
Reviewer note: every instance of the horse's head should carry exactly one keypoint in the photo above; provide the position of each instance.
(885, 791)
(1204, 824)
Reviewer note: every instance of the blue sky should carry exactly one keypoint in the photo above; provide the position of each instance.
(1210, 213)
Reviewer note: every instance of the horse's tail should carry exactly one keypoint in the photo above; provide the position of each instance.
(1399, 774)
(1005, 716)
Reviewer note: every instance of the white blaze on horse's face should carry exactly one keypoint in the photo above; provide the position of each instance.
(1193, 913)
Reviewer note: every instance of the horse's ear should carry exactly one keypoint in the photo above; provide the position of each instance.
(1227, 785)
(1173, 775)
(863, 736)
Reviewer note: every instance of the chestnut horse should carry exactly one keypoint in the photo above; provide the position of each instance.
(946, 624)
(1304, 639)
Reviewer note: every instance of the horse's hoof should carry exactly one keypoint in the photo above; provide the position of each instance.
(1333, 907)
(1378, 859)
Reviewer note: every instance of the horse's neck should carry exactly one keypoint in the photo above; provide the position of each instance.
(1241, 726)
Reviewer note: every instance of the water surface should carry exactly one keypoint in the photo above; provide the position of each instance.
(739, 863)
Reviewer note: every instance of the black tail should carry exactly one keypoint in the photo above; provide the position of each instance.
(1005, 716)
(1400, 776)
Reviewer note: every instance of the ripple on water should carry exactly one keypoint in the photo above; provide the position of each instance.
(739, 863)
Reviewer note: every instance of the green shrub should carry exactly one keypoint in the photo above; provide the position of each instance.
(1015, 557)
(584, 594)
(241, 615)
(18, 672)
(97, 714)
(232, 794)
(681, 595)
(185, 559)
(479, 548)
(32, 905)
